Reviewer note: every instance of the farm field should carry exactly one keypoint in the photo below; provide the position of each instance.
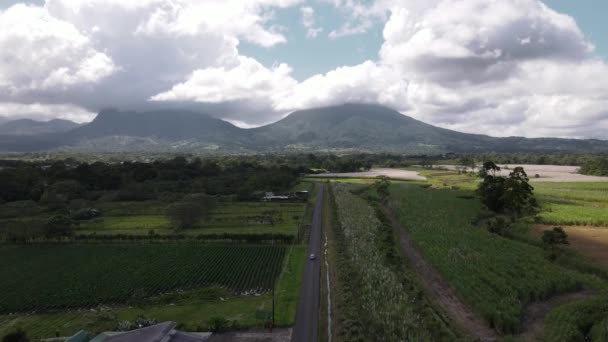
(192, 308)
(562, 203)
(497, 277)
(193, 314)
(376, 297)
(80, 276)
(142, 218)
(573, 203)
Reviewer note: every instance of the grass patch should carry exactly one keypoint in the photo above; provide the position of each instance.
(288, 287)
(192, 315)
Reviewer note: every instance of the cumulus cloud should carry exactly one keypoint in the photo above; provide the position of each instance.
(40, 53)
(100, 53)
(44, 112)
(246, 79)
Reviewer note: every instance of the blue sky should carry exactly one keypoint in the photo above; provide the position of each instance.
(313, 56)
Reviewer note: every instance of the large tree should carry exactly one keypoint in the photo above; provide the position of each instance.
(511, 195)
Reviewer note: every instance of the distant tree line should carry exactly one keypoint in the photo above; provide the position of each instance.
(595, 167)
(65, 180)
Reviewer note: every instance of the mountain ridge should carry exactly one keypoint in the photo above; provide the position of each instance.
(347, 127)
(34, 127)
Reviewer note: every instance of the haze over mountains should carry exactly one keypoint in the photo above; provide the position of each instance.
(348, 127)
(33, 127)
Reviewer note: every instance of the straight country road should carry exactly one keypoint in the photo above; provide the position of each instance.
(307, 313)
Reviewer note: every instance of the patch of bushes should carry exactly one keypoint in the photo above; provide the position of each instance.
(139, 322)
(86, 214)
(16, 336)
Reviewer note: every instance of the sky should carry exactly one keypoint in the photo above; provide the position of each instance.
(500, 67)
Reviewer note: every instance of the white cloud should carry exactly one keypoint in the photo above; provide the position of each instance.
(41, 53)
(44, 112)
(247, 79)
(99, 53)
(308, 21)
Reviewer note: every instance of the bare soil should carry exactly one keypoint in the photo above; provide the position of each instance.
(443, 294)
(591, 242)
(390, 173)
(546, 173)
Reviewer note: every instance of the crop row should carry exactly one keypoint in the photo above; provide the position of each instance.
(385, 304)
(42, 277)
(585, 320)
(495, 275)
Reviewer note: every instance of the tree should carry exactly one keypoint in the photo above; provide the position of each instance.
(185, 214)
(513, 194)
(59, 226)
(382, 185)
(271, 216)
(491, 188)
(555, 237)
(467, 162)
(552, 239)
(518, 194)
(190, 211)
(16, 336)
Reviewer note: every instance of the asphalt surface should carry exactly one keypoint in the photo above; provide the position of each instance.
(307, 314)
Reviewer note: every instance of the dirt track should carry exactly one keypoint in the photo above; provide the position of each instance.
(534, 319)
(443, 294)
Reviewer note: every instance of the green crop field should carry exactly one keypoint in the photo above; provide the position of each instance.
(496, 276)
(228, 217)
(43, 277)
(379, 299)
(567, 322)
(140, 218)
(573, 203)
(562, 203)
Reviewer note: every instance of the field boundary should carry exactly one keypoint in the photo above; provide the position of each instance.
(443, 294)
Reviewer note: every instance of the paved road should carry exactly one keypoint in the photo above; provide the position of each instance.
(307, 314)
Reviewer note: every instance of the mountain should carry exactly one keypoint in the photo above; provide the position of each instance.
(33, 127)
(365, 127)
(348, 127)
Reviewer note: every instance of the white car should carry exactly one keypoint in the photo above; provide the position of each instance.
(312, 257)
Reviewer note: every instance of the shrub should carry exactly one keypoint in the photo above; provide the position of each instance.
(16, 336)
(59, 226)
(86, 214)
(499, 225)
(185, 214)
(139, 322)
(220, 324)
